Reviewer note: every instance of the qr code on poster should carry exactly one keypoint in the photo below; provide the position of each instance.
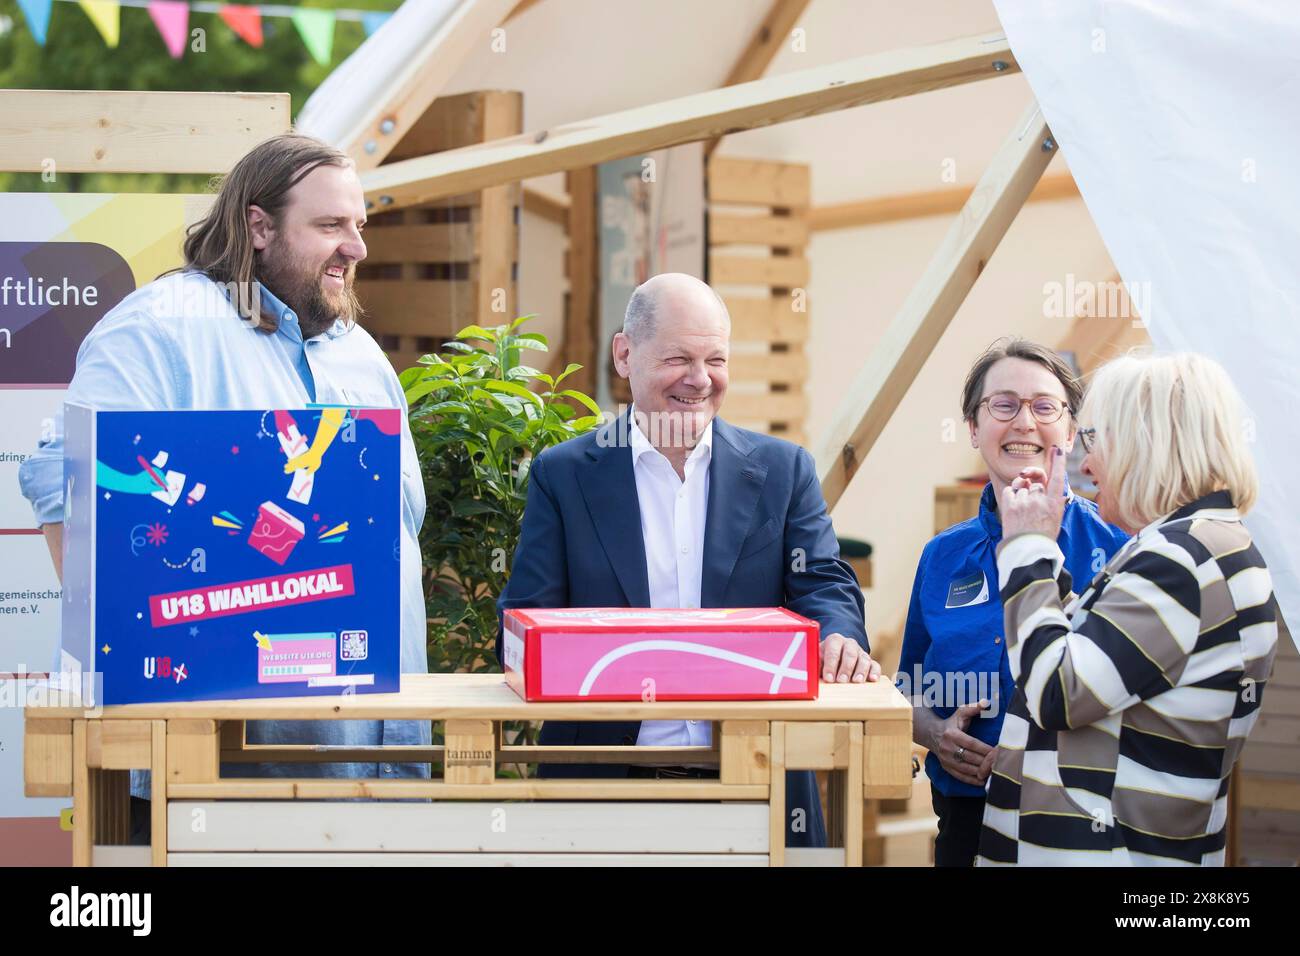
(355, 646)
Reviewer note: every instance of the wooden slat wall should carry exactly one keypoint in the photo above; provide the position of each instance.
(758, 236)
(1269, 770)
(954, 504)
(581, 268)
(433, 269)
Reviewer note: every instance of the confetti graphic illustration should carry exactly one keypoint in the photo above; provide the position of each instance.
(226, 520)
(333, 535)
(138, 539)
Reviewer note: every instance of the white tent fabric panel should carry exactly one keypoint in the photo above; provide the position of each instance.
(1178, 119)
(349, 94)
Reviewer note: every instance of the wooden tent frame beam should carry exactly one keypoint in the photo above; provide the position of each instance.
(917, 205)
(110, 131)
(701, 116)
(423, 78)
(762, 49)
(894, 362)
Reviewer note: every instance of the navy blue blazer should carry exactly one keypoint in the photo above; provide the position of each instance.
(581, 546)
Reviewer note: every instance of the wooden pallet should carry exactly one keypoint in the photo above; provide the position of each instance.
(1264, 804)
(758, 236)
(859, 733)
(433, 269)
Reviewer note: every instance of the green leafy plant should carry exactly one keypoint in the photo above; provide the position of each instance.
(477, 427)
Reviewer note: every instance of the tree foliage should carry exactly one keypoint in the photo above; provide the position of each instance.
(75, 58)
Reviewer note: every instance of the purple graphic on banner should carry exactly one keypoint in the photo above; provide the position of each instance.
(51, 295)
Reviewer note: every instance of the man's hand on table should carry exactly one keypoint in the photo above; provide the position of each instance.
(844, 661)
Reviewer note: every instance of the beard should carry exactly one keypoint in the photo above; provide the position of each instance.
(298, 285)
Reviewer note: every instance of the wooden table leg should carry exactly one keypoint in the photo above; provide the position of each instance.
(873, 844)
(158, 794)
(471, 749)
(887, 759)
(776, 797)
(853, 804)
(83, 799)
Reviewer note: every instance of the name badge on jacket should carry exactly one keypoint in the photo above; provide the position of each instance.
(963, 592)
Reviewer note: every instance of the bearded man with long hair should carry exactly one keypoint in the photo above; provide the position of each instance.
(261, 315)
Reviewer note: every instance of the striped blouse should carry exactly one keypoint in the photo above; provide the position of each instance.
(1134, 699)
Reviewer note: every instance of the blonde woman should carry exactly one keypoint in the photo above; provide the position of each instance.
(1019, 400)
(1134, 699)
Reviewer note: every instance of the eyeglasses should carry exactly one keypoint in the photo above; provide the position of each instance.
(1089, 438)
(1005, 406)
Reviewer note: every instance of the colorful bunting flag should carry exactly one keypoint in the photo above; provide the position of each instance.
(37, 13)
(245, 21)
(316, 27)
(373, 21)
(106, 15)
(172, 18)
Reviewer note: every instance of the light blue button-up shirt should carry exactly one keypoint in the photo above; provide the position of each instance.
(178, 343)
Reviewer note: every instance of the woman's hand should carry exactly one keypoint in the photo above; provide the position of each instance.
(1035, 501)
(986, 767)
(963, 756)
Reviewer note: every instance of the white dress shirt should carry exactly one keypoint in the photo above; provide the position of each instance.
(673, 515)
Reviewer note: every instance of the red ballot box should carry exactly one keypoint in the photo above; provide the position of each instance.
(660, 654)
(275, 532)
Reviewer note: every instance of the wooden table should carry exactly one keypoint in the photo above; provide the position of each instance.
(861, 733)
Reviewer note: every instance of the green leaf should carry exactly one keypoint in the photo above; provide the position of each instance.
(581, 399)
(532, 340)
(476, 332)
(473, 506)
(514, 388)
(568, 370)
(443, 408)
(424, 388)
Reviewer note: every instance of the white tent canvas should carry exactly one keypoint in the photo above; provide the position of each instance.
(1177, 119)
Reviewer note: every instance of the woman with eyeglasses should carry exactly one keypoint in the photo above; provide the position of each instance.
(1135, 698)
(1018, 403)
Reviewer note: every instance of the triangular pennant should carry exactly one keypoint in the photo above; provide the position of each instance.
(316, 27)
(37, 13)
(245, 21)
(172, 18)
(106, 15)
(373, 21)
